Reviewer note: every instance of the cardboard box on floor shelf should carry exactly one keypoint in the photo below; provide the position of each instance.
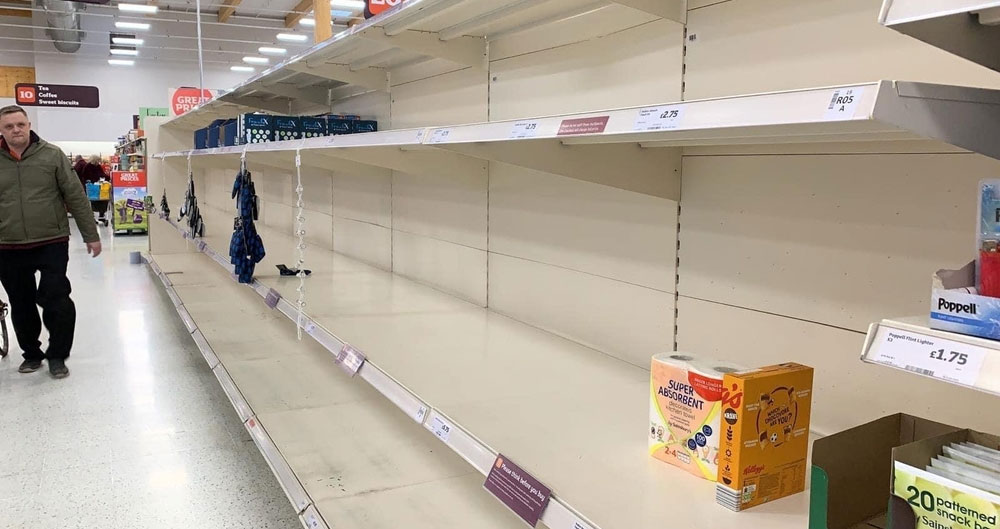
(852, 471)
(765, 439)
(956, 310)
(929, 501)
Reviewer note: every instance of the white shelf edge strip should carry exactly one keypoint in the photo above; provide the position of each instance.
(276, 462)
(913, 356)
(311, 519)
(558, 514)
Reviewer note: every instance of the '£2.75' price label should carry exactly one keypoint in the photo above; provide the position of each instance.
(928, 355)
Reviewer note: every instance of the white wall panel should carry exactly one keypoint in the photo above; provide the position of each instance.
(847, 392)
(278, 216)
(454, 98)
(366, 198)
(449, 267)
(372, 105)
(273, 186)
(587, 227)
(450, 208)
(627, 321)
(365, 242)
(638, 66)
(843, 240)
(318, 190)
(319, 228)
(747, 46)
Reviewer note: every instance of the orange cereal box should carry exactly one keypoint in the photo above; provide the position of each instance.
(765, 435)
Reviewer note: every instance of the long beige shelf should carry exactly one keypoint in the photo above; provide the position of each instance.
(967, 28)
(359, 59)
(345, 456)
(572, 416)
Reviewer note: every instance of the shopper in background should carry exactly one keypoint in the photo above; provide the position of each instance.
(79, 164)
(93, 171)
(37, 186)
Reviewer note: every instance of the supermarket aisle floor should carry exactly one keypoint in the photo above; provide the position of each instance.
(140, 435)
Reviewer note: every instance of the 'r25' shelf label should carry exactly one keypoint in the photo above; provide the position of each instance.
(928, 355)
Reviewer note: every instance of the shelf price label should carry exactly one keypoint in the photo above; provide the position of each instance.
(524, 129)
(350, 359)
(659, 118)
(271, 298)
(440, 428)
(421, 414)
(201, 246)
(928, 355)
(440, 136)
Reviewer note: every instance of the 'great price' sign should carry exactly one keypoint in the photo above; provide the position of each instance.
(128, 178)
(185, 98)
(375, 7)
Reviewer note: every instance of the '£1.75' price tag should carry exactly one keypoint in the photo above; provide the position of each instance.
(928, 355)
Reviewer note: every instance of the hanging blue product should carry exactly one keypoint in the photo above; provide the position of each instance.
(246, 248)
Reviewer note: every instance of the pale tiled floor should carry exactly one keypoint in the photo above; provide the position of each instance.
(140, 435)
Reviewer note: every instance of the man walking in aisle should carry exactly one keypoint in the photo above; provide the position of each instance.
(37, 187)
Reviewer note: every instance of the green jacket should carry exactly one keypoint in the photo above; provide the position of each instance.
(35, 193)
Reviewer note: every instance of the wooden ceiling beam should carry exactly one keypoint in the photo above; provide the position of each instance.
(228, 9)
(298, 13)
(15, 8)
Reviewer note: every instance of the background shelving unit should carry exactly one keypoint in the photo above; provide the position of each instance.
(495, 272)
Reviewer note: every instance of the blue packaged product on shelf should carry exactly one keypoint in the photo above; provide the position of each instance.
(230, 133)
(337, 125)
(256, 128)
(215, 133)
(201, 138)
(312, 127)
(957, 306)
(364, 125)
(286, 128)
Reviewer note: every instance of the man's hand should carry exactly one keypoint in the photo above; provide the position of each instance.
(94, 248)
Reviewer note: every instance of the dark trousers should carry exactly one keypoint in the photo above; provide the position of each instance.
(51, 293)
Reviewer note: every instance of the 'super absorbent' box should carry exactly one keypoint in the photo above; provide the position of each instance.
(765, 439)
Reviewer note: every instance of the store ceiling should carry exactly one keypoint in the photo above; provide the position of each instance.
(231, 29)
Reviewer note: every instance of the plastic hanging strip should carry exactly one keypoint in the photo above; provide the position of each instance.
(300, 231)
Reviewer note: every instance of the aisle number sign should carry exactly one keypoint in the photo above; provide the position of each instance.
(57, 95)
(928, 355)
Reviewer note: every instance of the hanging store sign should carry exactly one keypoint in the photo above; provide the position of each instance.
(186, 98)
(56, 95)
(377, 7)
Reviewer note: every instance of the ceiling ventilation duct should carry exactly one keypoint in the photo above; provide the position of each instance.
(62, 21)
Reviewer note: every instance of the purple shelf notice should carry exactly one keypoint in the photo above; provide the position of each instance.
(518, 490)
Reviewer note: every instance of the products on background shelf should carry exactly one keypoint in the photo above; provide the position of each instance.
(765, 437)
(685, 411)
(261, 128)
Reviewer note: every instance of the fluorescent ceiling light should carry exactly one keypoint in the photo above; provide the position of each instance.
(268, 50)
(293, 37)
(308, 22)
(241, 68)
(120, 51)
(121, 62)
(349, 4)
(256, 60)
(131, 25)
(138, 8)
(338, 13)
(129, 41)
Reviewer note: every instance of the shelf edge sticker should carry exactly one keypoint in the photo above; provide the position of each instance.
(421, 414)
(440, 428)
(931, 356)
(658, 118)
(440, 136)
(272, 298)
(573, 127)
(518, 490)
(350, 360)
(524, 129)
(843, 103)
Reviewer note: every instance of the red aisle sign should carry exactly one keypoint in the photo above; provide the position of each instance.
(376, 7)
(128, 178)
(185, 98)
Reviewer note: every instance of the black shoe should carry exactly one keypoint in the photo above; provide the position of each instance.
(30, 366)
(58, 369)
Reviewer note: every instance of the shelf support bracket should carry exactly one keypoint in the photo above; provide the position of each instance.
(315, 95)
(468, 51)
(628, 166)
(370, 78)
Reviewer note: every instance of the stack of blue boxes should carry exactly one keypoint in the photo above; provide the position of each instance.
(260, 128)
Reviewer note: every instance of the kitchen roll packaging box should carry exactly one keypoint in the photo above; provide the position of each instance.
(685, 411)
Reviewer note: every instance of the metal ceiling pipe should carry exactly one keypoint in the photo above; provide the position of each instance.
(62, 21)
